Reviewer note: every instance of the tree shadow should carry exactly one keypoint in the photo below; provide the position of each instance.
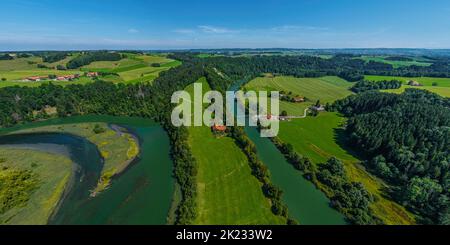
(342, 139)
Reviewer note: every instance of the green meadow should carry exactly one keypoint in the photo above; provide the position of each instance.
(53, 173)
(319, 138)
(227, 191)
(395, 63)
(442, 85)
(325, 89)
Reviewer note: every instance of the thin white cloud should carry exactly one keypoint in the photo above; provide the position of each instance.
(185, 31)
(133, 31)
(215, 30)
(287, 28)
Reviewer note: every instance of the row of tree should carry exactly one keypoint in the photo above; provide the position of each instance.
(364, 85)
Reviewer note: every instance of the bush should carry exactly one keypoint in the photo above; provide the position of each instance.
(98, 129)
(61, 68)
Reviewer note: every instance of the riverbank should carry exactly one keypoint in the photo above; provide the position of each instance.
(117, 146)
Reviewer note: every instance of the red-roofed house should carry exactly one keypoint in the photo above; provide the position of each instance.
(219, 128)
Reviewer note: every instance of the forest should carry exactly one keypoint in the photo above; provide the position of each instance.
(406, 139)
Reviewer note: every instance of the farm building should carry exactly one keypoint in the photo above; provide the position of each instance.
(219, 128)
(67, 77)
(92, 74)
(414, 83)
(299, 99)
(36, 78)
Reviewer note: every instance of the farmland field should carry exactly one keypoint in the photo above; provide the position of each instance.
(81, 80)
(395, 63)
(325, 89)
(53, 173)
(442, 85)
(227, 191)
(319, 138)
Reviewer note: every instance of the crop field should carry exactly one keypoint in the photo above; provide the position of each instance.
(21, 74)
(319, 138)
(19, 64)
(53, 173)
(81, 80)
(117, 149)
(141, 72)
(111, 64)
(325, 89)
(395, 63)
(442, 85)
(227, 191)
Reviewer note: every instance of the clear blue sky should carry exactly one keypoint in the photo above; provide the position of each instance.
(177, 24)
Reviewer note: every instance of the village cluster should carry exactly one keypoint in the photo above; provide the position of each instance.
(70, 77)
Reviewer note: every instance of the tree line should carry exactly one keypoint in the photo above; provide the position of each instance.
(364, 85)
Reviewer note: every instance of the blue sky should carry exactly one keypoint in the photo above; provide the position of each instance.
(176, 24)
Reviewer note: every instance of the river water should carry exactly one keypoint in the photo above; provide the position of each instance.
(306, 204)
(140, 195)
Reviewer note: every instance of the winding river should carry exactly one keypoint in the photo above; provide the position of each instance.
(140, 195)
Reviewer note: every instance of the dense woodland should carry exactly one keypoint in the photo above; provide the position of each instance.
(407, 141)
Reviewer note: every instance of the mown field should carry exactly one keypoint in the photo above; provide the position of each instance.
(53, 173)
(395, 63)
(227, 191)
(442, 85)
(116, 148)
(325, 89)
(320, 138)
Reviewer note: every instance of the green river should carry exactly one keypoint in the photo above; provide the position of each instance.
(140, 195)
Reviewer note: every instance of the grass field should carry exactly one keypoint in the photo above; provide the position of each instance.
(227, 191)
(116, 149)
(442, 87)
(111, 64)
(395, 63)
(53, 172)
(21, 74)
(141, 72)
(19, 64)
(81, 80)
(325, 89)
(319, 139)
